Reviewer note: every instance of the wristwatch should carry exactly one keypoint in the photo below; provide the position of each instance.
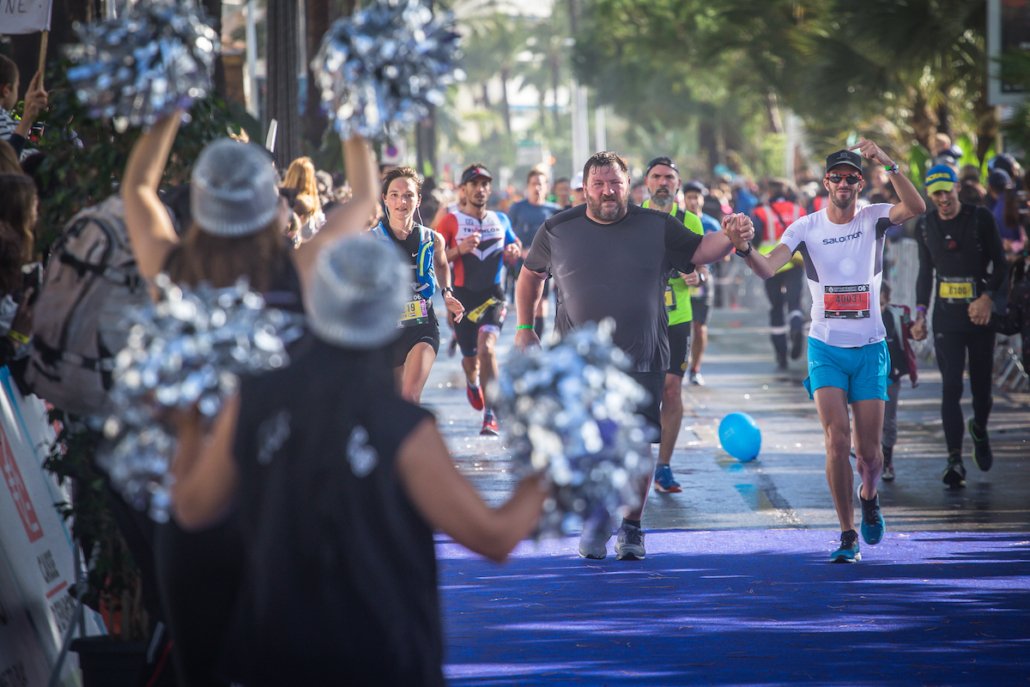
(744, 253)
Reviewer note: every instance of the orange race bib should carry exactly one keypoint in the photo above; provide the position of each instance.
(846, 302)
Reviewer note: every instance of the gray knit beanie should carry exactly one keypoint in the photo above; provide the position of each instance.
(234, 189)
(358, 292)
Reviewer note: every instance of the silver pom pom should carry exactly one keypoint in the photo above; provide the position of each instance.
(380, 69)
(184, 351)
(570, 413)
(135, 69)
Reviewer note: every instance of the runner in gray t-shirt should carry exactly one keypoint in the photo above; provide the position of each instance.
(612, 260)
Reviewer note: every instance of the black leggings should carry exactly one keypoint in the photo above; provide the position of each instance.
(951, 349)
(200, 574)
(784, 293)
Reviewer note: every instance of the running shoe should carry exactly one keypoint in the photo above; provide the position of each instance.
(664, 482)
(982, 455)
(593, 540)
(873, 525)
(629, 543)
(796, 339)
(490, 428)
(888, 464)
(474, 395)
(696, 378)
(848, 551)
(955, 473)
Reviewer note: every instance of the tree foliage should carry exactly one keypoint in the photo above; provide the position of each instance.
(727, 72)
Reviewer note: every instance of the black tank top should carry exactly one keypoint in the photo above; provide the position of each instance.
(342, 585)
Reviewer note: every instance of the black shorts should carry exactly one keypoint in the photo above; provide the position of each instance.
(679, 348)
(650, 410)
(409, 337)
(702, 309)
(483, 309)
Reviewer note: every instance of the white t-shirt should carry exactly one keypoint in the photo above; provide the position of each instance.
(844, 266)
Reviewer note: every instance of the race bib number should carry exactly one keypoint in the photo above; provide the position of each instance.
(951, 289)
(846, 302)
(670, 298)
(415, 312)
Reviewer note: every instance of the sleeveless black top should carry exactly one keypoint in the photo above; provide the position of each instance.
(342, 582)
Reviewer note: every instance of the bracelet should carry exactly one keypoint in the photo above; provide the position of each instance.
(447, 289)
(524, 326)
(744, 253)
(921, 308)
(892, 168)
(17, 337)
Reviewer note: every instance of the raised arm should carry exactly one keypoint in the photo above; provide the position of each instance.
(150, 228)
(912, 203)
(352, 216)
(451, 505)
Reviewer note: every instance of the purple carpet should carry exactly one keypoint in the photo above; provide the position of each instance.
(743, 607)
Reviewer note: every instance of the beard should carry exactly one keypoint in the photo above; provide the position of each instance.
(611, 214)
(843, 203)
(662, 198)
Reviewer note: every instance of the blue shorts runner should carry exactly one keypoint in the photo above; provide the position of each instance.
(861, 372)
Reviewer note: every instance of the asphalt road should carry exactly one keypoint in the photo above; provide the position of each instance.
(786, 486)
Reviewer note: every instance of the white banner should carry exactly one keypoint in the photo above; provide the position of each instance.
(36, 561)
(24, 16)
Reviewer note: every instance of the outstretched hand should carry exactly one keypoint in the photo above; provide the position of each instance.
(739, 228)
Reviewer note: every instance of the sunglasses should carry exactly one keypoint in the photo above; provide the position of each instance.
(850, 179)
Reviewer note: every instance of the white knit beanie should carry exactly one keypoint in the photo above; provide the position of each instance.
(358, 292)
(233, 189)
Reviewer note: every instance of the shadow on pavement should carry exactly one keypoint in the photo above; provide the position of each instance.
(742, 607)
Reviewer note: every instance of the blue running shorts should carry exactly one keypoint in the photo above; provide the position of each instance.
(862, 372)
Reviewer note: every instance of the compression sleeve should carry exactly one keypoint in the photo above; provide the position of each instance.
(509, 233)
(990, 240)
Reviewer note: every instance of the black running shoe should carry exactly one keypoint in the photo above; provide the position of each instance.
(955, 473)
(982, 455)
(796, 339)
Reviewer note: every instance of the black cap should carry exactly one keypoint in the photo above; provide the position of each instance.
(695, 186)
(844, 157)
(474, 171)
(663, 160)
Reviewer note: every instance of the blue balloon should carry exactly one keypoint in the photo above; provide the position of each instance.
(740, 436)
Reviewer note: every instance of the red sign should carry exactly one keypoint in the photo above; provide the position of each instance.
(19, 492)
